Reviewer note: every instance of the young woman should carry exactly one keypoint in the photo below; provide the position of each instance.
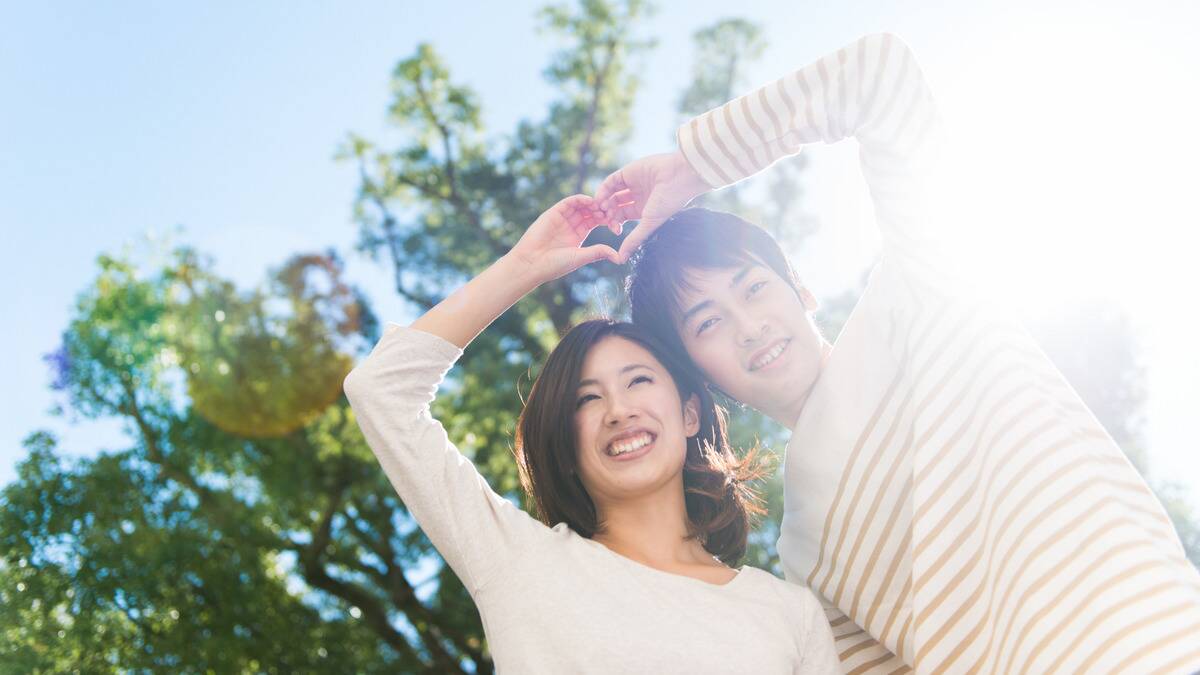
(643, 506)
(946, 491)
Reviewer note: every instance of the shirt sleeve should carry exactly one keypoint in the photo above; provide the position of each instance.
(476, 530)
(820, 656)
(871, 90)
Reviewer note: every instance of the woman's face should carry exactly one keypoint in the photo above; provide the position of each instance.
(630, 425)
(750, 334)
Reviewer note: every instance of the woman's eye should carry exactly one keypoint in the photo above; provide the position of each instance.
(708, 323)
(756, 287)
(584, 399)
(640, 378)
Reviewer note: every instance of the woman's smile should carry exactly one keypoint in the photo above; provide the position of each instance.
(630, 446)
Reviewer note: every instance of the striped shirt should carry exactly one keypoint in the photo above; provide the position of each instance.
(948, 495)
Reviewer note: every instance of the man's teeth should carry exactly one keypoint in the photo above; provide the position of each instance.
(630, 444)
(769, 356)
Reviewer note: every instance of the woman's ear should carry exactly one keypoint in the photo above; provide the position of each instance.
(691, 416)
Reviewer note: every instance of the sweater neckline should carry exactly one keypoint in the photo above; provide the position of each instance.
(741, 571)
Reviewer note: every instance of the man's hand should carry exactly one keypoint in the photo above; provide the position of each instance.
(650, 190)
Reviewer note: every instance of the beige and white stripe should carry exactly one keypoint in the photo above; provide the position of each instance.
(948, 493)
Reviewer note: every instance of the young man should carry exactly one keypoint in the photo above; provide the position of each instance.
(947, 493)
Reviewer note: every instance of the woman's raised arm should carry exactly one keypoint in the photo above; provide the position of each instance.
(549, 249)
(477, 531)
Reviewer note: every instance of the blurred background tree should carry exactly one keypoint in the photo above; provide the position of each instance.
(247, 527)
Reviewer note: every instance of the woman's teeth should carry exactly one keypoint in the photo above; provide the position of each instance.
(769, 356)
(630, 444)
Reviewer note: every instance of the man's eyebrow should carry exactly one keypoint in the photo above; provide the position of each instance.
(737, 279)
(626, 369)
(693, 311)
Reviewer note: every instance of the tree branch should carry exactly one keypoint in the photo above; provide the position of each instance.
(455, 196)
(585, 147)
(210, 500)
(315, 574)
(404, 596)
(459, 205)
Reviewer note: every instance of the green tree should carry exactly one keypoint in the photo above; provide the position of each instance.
(450, 200)
(244, 473)
(248, 528)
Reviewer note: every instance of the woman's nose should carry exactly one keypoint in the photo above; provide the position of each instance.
(618, 411)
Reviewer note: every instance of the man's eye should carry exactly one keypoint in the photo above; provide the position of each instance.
(584, 399)
(708, 323)
(755, 288)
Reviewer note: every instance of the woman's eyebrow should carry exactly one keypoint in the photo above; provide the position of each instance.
(626, 369)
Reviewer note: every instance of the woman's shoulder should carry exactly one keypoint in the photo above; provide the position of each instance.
(798, 598)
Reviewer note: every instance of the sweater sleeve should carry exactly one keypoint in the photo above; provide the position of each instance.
(871, 90)
(820, 655)
(476, 530)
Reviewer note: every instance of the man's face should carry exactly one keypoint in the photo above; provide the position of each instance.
(752, 336)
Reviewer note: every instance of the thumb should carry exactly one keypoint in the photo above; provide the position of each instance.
(640, 234)
(591, 254)
(648, 224)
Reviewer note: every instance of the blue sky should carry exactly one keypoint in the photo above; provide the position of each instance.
(223, 118)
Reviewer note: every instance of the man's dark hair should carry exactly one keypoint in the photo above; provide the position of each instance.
(694, 239)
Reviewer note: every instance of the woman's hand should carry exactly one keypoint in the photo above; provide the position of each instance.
(650, 190)
(552, 246)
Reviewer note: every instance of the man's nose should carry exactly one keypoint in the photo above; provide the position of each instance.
(751, 330)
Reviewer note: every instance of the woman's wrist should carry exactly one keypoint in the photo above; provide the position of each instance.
(514, 268)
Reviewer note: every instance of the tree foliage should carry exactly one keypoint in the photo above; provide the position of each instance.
(242, 477)
(248, 528)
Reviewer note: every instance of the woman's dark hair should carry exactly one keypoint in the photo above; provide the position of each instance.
(717, 484)
(694, 239)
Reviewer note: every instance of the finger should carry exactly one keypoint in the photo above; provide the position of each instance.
(589, 221)
(591, 254)
(617, 198)
(629, 211)
(575, 204)
(615, 182)
(623, 215)
(635, 239)
(617, 217)
(620, 213)
(645, 228)
(581, 212)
